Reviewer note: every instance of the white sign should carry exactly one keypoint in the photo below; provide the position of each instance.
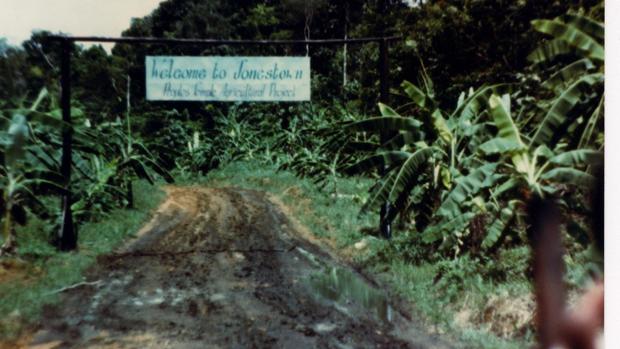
(183, 78)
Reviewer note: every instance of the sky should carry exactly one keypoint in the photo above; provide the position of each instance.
(18, 18)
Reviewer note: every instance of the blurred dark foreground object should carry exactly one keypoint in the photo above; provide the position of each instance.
(580, 327)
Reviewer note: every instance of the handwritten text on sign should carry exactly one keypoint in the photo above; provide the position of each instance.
(182, 78)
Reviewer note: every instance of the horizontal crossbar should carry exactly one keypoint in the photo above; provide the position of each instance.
(153, 40)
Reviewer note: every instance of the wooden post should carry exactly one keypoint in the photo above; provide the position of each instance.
(545, 239)
(384, 97)
(67, 239)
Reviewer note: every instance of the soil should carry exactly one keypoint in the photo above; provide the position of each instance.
(218, 268)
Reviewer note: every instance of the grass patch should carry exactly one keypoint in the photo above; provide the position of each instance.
(332, 213)
(38, 269)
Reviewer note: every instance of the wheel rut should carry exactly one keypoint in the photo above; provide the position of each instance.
(218, 268)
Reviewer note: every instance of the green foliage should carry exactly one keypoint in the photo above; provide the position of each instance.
(105, 162)
(436, 150)
(471, 43)
(21, 175)
(456, 163)
(456, 274)
(49, 270)
(575, 110)
(482, 164)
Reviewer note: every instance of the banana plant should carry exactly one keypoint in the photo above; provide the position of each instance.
(578, 86)
(554, 154)
(429, 148)
(19, 179)
(500, 188)
(534, 170)
(405, 159)
(105, 161)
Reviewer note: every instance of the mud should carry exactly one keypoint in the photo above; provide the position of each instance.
(220, 268)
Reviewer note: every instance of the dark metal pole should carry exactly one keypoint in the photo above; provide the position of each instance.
(384, 97)
(67, 239)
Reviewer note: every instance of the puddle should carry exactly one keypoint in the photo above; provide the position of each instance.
(344, 287)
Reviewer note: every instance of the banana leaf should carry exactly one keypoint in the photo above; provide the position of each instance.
(569, 175)
(409, 171)
(466, 186)
(500, 225)
(415, 93)
(586, 25)
(378, 161)
(558, 81)
(572, 35)
(560, 110)
(578, 157)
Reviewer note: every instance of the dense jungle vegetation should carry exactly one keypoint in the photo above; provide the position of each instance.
(492, 102)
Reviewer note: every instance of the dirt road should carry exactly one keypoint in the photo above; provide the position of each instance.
(224, 268)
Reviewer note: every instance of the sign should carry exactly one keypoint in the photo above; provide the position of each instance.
(184, 78)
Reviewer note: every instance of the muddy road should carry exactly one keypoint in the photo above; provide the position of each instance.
(224, 268)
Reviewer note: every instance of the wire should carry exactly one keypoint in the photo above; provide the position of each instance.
(309, 13)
